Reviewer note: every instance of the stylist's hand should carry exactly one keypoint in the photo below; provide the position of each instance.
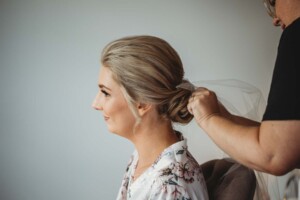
(204, 104)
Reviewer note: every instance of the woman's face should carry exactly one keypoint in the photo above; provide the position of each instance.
(111, 101)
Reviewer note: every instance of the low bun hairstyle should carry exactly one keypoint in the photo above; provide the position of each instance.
(148, 70)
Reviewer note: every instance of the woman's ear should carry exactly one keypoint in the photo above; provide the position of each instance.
(143, 108)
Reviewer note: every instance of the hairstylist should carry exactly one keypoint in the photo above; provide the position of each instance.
(272, 146)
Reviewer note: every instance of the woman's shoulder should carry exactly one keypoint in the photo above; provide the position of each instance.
(177, 165)
(177, 153)
(180, 176)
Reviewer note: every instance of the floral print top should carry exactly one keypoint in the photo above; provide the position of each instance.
(175, 175)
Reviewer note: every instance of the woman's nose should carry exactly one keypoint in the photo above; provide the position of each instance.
(96, 103)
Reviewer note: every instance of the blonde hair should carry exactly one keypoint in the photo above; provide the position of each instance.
(148, 70)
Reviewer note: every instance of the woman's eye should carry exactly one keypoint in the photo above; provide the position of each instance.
(105, 93)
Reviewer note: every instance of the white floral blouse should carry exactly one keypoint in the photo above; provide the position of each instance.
(175, 175)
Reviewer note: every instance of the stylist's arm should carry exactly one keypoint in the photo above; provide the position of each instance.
(272, 146)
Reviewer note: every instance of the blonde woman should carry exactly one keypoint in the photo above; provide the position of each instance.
(139, 99)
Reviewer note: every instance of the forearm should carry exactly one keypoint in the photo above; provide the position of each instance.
(272, 146)
(235, 118)
(238, 140)
(243, 121)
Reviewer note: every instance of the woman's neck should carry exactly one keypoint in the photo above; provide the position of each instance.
(151, 139)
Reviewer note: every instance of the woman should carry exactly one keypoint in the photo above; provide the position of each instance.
(140, 99)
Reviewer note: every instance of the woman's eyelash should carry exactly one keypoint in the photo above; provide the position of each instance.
(105, 93)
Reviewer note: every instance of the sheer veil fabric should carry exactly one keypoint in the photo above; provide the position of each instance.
(243, 99)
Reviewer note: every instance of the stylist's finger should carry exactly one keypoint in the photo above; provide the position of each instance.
(192, 100)
(198, 92)
(203, 103)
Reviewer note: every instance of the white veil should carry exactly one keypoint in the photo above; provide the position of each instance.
(243, 99)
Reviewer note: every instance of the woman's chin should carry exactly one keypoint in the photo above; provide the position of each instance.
(118, 133)
(111, 130)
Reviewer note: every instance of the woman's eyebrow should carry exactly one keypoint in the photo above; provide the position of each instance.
(103, 86)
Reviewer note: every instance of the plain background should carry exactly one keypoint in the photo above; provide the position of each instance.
(53, 145)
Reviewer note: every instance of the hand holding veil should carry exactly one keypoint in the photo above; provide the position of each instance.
(245, 100)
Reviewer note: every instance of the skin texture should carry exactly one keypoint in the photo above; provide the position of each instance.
(270, 146)
(113, 105)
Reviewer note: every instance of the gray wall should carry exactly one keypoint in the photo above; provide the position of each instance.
(53, 145)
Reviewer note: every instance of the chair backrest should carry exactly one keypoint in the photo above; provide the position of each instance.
(228, 180)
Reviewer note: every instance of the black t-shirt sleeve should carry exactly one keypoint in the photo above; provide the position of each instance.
(284, 96)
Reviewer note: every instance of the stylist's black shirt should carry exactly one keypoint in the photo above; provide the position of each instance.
(284, 97)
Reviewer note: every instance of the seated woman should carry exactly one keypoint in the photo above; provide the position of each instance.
(140, 100)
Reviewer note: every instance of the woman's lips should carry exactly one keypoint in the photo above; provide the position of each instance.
(106, 118)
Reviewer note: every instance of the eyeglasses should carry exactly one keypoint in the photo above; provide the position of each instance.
(270, 5)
